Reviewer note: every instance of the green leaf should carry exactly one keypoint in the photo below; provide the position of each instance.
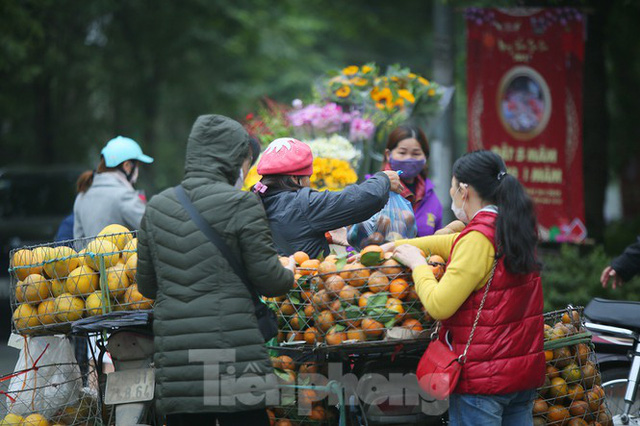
(381, 314)
(414, 313)
(283, 375)
(352, 312)
(294, 299)
(339, 328)
(390, 323)
(371, 258)
(377, 300)
(304, 323)
(341, 262)
(288, 399)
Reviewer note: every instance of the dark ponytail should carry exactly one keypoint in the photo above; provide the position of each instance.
(85, 180)
(516, 225)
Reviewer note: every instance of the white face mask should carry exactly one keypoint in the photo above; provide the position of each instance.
(134, 177)
(459, 211)
(240, 182)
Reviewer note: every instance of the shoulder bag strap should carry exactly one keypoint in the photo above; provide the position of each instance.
(214, 237)
(463, 358)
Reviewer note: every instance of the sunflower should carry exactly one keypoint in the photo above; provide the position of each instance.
(343, 92)
(359, 81)
(350, 70)
(407, 95)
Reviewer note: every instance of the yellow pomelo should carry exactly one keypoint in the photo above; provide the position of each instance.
(57, 287)
(47, 311)
(12, 420)
(39, 256)
(68, 307)
(117, 279)
(135, 300)
(94, 303)
(21, 261)
(81, 257)
(82, 280)
(132, 267)
(19, 293)
(130, 249)
(35, 420)
(122, 237)
(60, 261)
(25, 316)
(34, 289)
(101, 248)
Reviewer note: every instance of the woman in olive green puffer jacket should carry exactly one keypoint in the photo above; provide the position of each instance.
(210, 358)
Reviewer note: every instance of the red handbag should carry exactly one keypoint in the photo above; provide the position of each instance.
(439, 368)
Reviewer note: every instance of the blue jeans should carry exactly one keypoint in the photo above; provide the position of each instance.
(511, 409)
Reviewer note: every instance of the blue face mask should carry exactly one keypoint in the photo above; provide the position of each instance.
(410, 168)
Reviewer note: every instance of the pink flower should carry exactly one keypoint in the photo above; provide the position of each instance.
(361, 129)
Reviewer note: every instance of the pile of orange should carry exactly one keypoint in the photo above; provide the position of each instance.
(299, 405)
(572, 393)
(334, 302)
(56, 285)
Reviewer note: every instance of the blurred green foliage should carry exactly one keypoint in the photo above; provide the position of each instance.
(74, 74)
(571, 275)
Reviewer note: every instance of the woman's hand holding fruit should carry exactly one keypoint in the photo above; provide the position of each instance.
(409, 256)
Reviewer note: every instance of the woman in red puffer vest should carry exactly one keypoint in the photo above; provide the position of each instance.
(505, 362)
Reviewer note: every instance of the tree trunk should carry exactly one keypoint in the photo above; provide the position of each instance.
(596, 120)
(443, 144)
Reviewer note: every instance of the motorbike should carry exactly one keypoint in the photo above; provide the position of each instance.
(130, 388)
(616, 336)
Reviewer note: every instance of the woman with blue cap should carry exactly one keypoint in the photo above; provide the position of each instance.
(107, 196)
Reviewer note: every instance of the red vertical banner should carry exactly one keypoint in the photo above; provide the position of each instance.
(524, 85)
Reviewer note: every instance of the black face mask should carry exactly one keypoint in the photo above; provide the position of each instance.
(131, 174)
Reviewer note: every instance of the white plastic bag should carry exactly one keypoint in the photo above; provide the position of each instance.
(55, 383)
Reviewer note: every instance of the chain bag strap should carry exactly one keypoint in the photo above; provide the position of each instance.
(463, 358)
(439, 368)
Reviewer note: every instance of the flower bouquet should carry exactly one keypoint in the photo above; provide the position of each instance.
(346, 125)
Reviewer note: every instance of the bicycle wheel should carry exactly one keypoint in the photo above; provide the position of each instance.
(614, 383)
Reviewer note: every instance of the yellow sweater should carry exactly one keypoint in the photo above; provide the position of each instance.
(469, 270)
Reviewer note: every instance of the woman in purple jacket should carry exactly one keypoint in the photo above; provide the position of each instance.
(408, 150)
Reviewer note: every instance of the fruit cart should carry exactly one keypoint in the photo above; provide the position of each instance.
(87, 288)
(572, 393)
(365, 321)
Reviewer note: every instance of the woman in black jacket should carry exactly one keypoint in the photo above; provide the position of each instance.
(299, 216)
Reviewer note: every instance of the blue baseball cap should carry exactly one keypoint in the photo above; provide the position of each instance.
(121, 149)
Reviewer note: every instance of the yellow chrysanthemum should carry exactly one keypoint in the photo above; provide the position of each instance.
(343, 91)
(359, 81)
(431, 92)
(423, 81)
(350, 70)
(366, 69)
(406, 95)
(412, 75)
(332, 174)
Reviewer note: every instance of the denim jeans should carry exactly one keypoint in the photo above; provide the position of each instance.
(512, 409)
